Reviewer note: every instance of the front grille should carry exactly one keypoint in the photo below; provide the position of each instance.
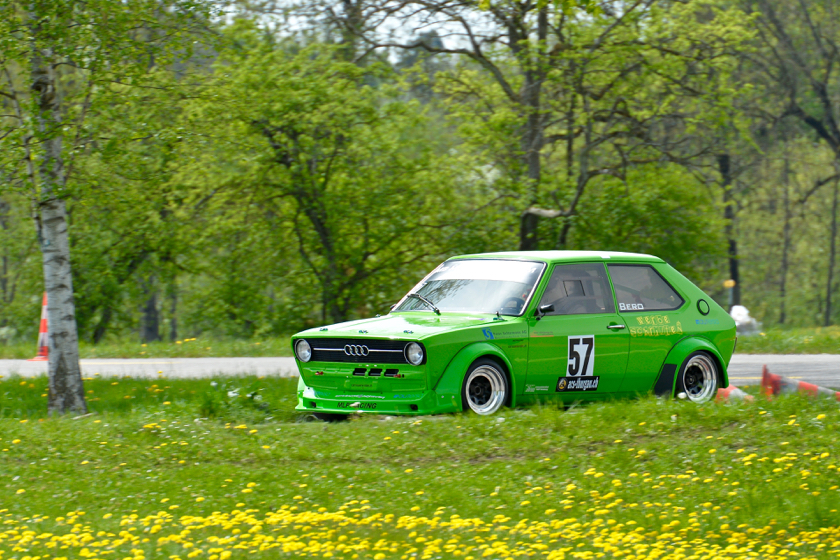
(353, 351)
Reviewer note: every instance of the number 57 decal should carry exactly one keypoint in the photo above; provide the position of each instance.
(581, 355)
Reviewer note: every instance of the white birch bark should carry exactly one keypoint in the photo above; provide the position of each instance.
(66, 389)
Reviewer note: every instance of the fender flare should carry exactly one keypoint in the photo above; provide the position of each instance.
(666, 383)
(449, 384)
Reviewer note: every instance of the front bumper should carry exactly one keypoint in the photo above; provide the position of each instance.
(345, 401)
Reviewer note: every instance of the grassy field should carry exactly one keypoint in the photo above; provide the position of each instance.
(222, 469)
(815, 340)
(186, 348)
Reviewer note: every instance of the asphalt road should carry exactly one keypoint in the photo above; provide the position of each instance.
(744, 369)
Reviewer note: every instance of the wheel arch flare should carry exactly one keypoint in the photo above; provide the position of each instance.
(448, 387)
(667, 381)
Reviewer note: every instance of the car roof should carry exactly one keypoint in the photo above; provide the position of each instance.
(564, 256)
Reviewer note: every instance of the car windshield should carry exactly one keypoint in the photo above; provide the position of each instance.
(476, 286)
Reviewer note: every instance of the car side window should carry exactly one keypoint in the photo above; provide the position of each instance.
(578, 289)
(641, 288)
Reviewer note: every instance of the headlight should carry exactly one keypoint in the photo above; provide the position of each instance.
(303, 351)
(414, 353)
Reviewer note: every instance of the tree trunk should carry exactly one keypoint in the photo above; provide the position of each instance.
(725, 169)
(65, 379)
(351, 28)
(150, 324)
(173, 308)
(785, 241)
(831, 257)
(533, 136)
(4, 260)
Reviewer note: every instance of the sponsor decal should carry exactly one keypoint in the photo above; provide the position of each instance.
(540, 334)
(522, 333)
(517, 346)
(581, 355)
(584, 383)
(706, 322)
(490, 335)
(408, 396)
(653, 320)
(360, 406)
(359, 397)
(536, 388)
(631, 307)
(656, 330)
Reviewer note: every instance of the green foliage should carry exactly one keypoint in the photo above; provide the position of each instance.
(338, 176)
(660, 210)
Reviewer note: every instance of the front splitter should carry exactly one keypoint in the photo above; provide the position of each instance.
(397, 403)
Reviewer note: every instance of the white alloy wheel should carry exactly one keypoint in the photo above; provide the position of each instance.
(699, 378)
(485, 388)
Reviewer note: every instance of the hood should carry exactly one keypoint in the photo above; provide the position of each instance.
(420, 324)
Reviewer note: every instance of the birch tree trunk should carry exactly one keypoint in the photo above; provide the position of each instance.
(65, 379)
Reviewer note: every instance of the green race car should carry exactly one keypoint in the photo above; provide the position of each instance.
(503, 329)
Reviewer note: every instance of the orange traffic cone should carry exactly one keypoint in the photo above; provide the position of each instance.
(773, 384)
(43, 340)
(732, 393)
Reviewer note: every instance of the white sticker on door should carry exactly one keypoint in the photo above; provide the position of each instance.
(581, 355)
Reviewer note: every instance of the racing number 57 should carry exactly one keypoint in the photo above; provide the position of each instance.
(581, 361)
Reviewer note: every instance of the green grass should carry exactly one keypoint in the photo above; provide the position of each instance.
(186, 348)
(814, 340)
(227, 476)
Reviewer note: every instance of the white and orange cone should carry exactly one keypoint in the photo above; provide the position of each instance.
(732, 393)
(772, 384)
(43, 337)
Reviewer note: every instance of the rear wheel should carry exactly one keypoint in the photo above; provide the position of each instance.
(699, 377)
(485, 388)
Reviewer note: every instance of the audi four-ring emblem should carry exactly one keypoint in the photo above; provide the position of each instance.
(356, 350)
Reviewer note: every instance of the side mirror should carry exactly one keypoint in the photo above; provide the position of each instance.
(544, 309)
(392, 307)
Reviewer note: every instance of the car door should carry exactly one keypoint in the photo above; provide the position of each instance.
(578, 350)
(652, 311)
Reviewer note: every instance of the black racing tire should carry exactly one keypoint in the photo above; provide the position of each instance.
(486, 388)
(327, 417)
(699, 377)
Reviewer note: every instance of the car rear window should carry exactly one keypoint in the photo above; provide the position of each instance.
(578, 289)
(641, 288)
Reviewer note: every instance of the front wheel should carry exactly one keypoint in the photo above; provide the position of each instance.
(698, 377)
(485, 387)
